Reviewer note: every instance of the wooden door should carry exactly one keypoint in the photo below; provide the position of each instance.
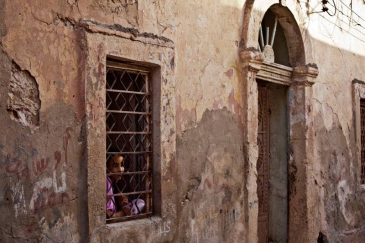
(263, 140)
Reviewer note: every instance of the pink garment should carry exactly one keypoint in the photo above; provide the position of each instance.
(110, 201)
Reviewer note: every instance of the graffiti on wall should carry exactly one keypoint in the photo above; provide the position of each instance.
(35, 183)
(164, 227)
(215, 224)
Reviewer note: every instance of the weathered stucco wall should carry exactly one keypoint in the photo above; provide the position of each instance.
(338, 49)
(42, 143)
(52, 57)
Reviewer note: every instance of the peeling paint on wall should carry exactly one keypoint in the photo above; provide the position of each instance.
(212, 198)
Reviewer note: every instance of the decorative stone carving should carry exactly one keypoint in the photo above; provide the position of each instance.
(269, 54)
(276, 73)
(253, 59)
(305, 75)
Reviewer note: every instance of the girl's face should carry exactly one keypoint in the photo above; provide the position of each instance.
(115, 165)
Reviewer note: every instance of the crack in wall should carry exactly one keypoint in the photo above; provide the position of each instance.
(353, 231)
(126, 32)
(67, 21)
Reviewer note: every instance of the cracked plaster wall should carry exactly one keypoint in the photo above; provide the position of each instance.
(212, 201)
(43, 172)
(336, 168)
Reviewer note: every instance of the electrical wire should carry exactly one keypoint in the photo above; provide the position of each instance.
(360, 36)
(334, 7)
(351, 20)
(348, 32)
(352, 11)
(349, 17)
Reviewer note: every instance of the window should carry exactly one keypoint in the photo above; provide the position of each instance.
(362, 124)
(128, 142)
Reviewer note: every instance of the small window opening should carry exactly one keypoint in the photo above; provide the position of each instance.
(362, 114)
(128, 142)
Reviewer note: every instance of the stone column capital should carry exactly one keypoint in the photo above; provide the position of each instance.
(252, 59)
(305, 75)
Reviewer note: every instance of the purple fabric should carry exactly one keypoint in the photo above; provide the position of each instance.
(137, 206)
(110, 201)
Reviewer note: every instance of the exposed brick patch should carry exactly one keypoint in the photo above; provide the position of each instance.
(23, 98)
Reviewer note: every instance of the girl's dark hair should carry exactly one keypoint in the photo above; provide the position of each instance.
(111, 150)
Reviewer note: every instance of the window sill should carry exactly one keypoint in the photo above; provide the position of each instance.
(138, 222)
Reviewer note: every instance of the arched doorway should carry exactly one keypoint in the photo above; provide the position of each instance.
(272, 137)
(277, 73)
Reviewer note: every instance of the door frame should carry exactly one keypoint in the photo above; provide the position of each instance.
(300, 80)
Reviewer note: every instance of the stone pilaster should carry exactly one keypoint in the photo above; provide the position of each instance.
(251, 62)
(302, 196)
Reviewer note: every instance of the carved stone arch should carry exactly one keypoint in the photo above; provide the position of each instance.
(299, 77)
(252, 18)
(292, 33)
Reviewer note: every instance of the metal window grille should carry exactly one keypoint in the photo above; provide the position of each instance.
(129, 134)
(362, 114)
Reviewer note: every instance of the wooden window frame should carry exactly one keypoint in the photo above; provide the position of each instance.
(362, 139)
(358, 92)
